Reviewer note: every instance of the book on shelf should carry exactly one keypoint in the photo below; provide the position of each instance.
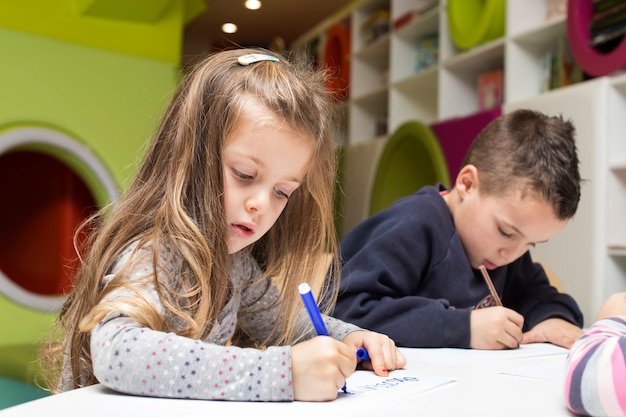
(603, 5)
(608, 22)
(560, 68)
(614, 8)
(600, 37)
(605, 21)
(426, 52)
(490, 89)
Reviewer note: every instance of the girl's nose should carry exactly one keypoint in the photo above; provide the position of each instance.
(257, 201)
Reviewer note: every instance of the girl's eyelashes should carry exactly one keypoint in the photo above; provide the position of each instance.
(247, 178)
(242, 176)
(281, 193)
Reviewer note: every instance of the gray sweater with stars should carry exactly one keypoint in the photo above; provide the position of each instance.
(133, 359)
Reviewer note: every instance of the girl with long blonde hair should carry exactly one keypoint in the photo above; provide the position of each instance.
(175, 296)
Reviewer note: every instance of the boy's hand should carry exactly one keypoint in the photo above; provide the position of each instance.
(383, 353)
(556, 331)
(495, 328)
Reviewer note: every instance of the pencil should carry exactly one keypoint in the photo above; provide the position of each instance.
(492, 289)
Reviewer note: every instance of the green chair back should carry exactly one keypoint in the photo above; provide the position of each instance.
(411, 159)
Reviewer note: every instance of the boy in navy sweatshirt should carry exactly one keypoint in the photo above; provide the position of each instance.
(411, 271)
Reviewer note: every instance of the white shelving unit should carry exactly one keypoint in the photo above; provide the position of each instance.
(590, 255)
(384, 85)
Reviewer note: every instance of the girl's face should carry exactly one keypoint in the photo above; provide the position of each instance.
(263, 164)
(497, 230)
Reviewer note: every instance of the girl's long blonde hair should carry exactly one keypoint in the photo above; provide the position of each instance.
(175, 205)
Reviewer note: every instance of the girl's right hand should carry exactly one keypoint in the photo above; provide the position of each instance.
(319, 368)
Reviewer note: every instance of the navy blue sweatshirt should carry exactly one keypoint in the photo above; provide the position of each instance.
(405, 274)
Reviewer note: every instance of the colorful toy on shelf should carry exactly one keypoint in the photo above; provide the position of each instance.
(593, 61)
(375, 26)
(474, 22)
(337, 59)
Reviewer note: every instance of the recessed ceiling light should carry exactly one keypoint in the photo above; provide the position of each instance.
(229, 28)
(252, 4)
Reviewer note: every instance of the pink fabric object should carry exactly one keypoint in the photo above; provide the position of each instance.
(596, 370)
(456, 135)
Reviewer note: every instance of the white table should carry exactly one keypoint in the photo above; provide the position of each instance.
(522, 382)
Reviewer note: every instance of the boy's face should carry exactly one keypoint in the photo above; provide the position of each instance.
(263, 164)
(497, 230)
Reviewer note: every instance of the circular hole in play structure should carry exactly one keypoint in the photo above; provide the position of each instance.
(49, 184)
(45, 201)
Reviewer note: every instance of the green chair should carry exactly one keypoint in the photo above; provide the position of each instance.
(411, 159)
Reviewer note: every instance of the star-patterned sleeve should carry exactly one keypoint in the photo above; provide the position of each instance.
(134, 359)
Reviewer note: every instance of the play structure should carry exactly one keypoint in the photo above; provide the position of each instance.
(83, 85)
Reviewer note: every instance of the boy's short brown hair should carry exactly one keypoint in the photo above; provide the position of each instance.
(529, 151)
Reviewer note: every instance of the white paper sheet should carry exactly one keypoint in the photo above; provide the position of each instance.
(401, 383)
(553, 370)
(472, 356)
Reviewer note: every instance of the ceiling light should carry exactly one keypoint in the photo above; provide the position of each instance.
(252, 4)
(229, 28)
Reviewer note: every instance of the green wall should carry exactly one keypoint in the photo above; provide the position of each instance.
(101, 71)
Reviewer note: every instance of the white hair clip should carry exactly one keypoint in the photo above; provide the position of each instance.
(253, 58)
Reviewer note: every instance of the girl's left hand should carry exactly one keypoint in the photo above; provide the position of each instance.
(383, 353)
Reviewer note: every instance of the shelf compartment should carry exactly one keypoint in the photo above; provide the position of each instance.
(459, 78)
(368, 116)
(527, 51)
(415, 98)
(526, 16)
(360, 16)
(403, 44)
(370, 68)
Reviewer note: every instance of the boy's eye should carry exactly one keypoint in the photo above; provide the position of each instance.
(503, 233)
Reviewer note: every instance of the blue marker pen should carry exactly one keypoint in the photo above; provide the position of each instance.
(314, 313)
(311, 308)
(362, 354)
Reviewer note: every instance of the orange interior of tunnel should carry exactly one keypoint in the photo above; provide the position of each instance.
(42, 201)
